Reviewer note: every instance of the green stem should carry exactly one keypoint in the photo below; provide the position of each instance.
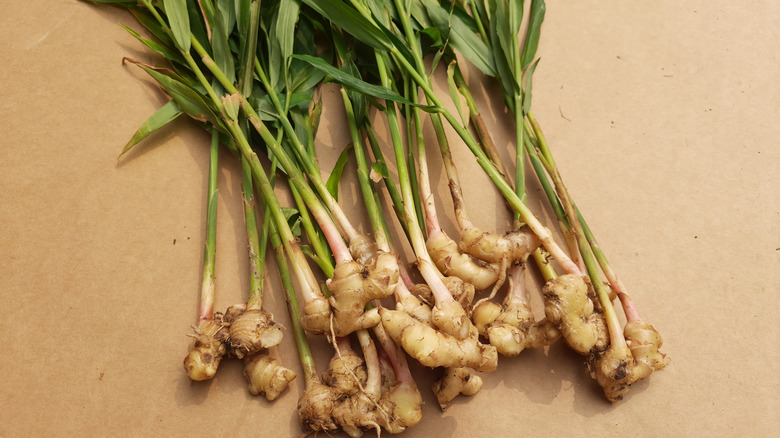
(256, 248)
(304, 352)
(362, 172)
(346, 229)
(392, 190)
(209, 253)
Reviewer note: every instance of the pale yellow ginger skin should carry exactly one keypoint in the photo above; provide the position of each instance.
(614, 371)
(402, 406)
(496, 248)
(423, 293)
(315, 407)
(398, 409)
(356, 412)
(452, 262)
(618, 367)
(454, 382)
(253, 331)
(450, 318)
(567, 305)
(415, 308)
(433, 348)
(316, 316)
(363, 249)
(346, 373)
(266, 375)
(353, 285)
(644, 342)
(207, 349)
(511, 328)
(461, 291)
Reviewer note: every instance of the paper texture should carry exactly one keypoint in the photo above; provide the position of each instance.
(663, 117)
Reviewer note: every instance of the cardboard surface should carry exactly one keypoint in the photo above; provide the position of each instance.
(663, 118)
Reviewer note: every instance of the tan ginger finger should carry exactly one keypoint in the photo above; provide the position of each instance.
(432, 348)
(454, 382)
(353, 285)
(495, 248)
(267, 376)
(567, 305)
(644, 342)
(316, 316)
(452, 262)
(315, 407)
(346, 373)
(253, 331)
(207, 349)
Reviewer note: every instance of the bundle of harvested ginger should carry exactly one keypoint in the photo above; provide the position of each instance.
(249, 74)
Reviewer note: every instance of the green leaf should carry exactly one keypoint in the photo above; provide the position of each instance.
(219, 43)
(198, 25)
(379, 168)
(350, 81)
(335, 176)
(293, 217)
(534, 29)
(179, 20)
(528, 76)
(285, 28)
(153, 26)
(455, 94)
(166, 114)
(160, 48)
(189, 100)
(351, 22)
(462, 37)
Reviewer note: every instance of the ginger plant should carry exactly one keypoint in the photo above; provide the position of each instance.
(211, 335)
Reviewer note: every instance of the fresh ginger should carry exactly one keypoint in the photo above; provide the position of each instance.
(315, 406)
(644, 341)
(452, 262)
(353, 285)
(511, 327)
(346, 373)
(252, 331)
(566, 304)
(495, 248)
(316, 316)
(621, 365)
(207, 349)
(453, 382)
(433, 348)
(267, 376)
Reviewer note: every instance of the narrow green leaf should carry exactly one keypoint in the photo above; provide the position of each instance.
(179, 20)
(528, 76)
(189, 100)
(379, 170)
(285, 29)
(462, 37)
(228, 17)
(153, 26)
(351, 22)
(166, 114)
(160, 48)
(352, 82)
(219, 45)
(534, 30)
(198, 26)
(455, 94)
(335, 175)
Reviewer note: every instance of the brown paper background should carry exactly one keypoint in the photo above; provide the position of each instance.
(663, 117)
